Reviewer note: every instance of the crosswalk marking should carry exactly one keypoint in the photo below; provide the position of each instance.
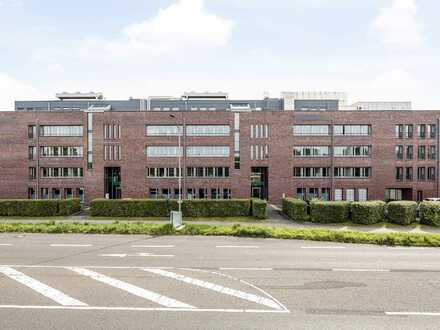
(216, 287)
(135, 290)
(41, 288)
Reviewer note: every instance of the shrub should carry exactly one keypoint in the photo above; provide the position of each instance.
(368, 212)
(162, 207)
(430, 213)
(259, 208)
(402, 212)
(329, 212)
(295, 209)
(38, 208)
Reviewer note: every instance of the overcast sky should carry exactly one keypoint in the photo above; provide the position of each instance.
(372, 49)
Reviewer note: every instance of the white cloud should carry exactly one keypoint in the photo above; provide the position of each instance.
(397, 25)
(13, 89)
(184, 25)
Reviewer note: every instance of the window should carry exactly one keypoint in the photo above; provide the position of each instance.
(166, 193)
(259, 152)
(409, 174)
(352, 130)
(362, 194)
(59, 151)
(259, 131)
(227, 193)
(32, 153)
(163, 130)
(32, 131)
(311, 172)
(153, 193)
(68, 193)
(301, 193)
(163, 151)
(311, 151)
(62, 172)
(393, 194)
(162, 172)
(61, 130)
(352, 151)
(421, 153)
(44, 193)
(112, 152)
(112, 131)
(215, 193)
(207, 151)
(349, 195)
(338, 194)
(409, 131)
(203, 193)
(399, 152)
(421, 173)
(56, 193)
(431, 173)
(431, 131)
(207, 172)
(421, 131)
(399, 173)
(310, 130)
(325, 194)
(32, 173)
(31, 193)
(432, 153)
(399, 131)
(207, 130)
(313, 193)
(352, 172)
(409, 152)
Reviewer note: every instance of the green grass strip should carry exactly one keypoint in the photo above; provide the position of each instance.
(327, 235)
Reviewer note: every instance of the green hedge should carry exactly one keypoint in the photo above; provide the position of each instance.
(430, 213)
(295, 209)
(368, 212)
(329, 212)
(138, 208)
(38, 208)
(402, 212)
(259, 208)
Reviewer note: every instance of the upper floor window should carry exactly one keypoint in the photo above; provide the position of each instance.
(259, 131)
(409, 129)
(421, 131)
(259, 152)
(432, 153)
(310, 130)
(399, 173)
(409, 152)
(207, 172)
(421, 153)
(352, 130)
(431, 131)
(163, 151)
(352, 151)
(399, 131)
(207, 151)
(311, 151)
(112, 131)
(162, 172)
(352, 172)
(399, 152)
(59, 151)
(163, 130)
(61, 130)
(32, 152)
(32, 131)
(207, 130)
(62, 172)
(311, 172)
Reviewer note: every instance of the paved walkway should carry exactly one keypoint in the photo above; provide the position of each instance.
(275, 219)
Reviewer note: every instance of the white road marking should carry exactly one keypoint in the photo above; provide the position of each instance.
(237, 246)
(244, 268)
(41, 288)
(5, 244)
(216, 287)
(124, 255)
(70, 245)
(152, 246)
(135, 290)
(322, 247)
(359, 270)
(146, 309)
(412, 313)
(118, 255)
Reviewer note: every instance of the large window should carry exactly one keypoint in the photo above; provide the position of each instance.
(399, 173)
(431, 131)
(432, 153)
(163, 151)
(399, 152)
(352, 130)
(62, 172)
(311, 151)
(409, 152)
(162, 172)
(310, 130)
(207, 151)
(352, 172)
(421, 153)
(421, 173)
(352, 151)
(431, 173)
(163, 130)
(311, 172)
(207, 130)
(59, 151)
(61, 130)
(207, 172)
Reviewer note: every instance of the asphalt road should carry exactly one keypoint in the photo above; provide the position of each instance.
(140, 282)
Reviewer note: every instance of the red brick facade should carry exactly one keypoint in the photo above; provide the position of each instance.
(15, 163)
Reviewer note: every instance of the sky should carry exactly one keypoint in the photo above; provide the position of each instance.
(375, 50)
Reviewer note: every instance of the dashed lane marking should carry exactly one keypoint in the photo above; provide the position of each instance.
(245, 268)
(359, 270)
(237, 246)
(70, 245)
(152, 246)
(322, 247)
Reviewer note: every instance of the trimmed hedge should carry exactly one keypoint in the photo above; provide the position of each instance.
(38, 208)
(430, 213)
(368, 212)
(329, 212)
(259, 208)
(402, 212)
(295, 209)
(139, 208)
